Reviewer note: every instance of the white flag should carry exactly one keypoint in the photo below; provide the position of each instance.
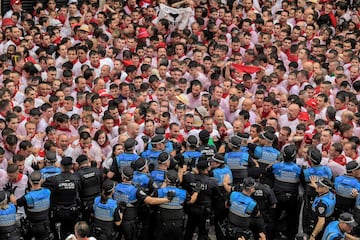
(178, 17)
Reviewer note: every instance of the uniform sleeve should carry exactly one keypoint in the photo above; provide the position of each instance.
(256, 211)
(21, 201)
(320, 209)
(141, 195)
(270, 195)
(50, 183)
(117, 216)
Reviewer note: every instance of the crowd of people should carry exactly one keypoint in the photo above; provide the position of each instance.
(164, 119)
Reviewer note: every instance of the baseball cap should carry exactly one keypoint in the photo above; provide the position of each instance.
(66, 161)
(128, 172)
(235, 141)
(163, 157)
(35, 177)
(304, 116)
(243, 136)
(202, 165)
(50, 156)
(139, 164)
(290, 152)
(157, 139)
(268, 136)
(315, 156)
(81, 158)
(108, 185)
(130, 143)
(143, 33)
(192, 140)
(172, 176)
(218, 158)
(204, 135)
(8, 22)
(348, 219)
(325, 183)
(15, 2)
(249, 182)
(311, 103)
(160, 131)
(352, 166)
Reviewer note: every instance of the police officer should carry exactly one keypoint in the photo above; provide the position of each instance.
(199, 213)
(170, 219)
(7, 218)
(50, 169)
(287, 178)
(219, 171)
(205, 148)
(344, 185)
(266, 154)
(169, 147)
(241, 208)
(65, 189)
(151, 155)
(191, 154)
(124, 159)
(142, 178)
(128, 196)
(341, 228)
(323, 205)
(107, 214)
(318, 171)
(158, 175)
(238, 158)
(37, 207)
(266, 201)
(91, 180)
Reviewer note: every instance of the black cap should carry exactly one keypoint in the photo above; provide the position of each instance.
(35, 177)
(249, 182)
(81, 158)
(128, 172)
(243, 136)
(348, 219)
(66, 161)
(325, 183)
(192, 140)
(235, 141)
(315, 156)
(3, 196)
(139, 164)
(268, 136)
(108, 185)
(130, 143)
(157, 139)
(352, 166)
(218, 158)
(160, 131)
(290, 153)
(202, 165)
(163, 157)
(172, 176)
(50, 156)
(204, 135)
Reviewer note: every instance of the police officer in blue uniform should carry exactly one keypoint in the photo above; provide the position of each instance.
(151, 155)
(265, 154)
(107, 214)
(238, 159)
(191, 154)
(344, 186)
(319, 171)
(199, 213)
(340, 229)
(170, 216)
(219, 171)
(37, 207)
(127, 195)
(50, 169)
(286, 183)
(7, 218)
(124, 159)
(169, 147)
(91, 179)
(241, 208)
(322, 207)
(158, 175)
(65, 188)
(205, 148)
(142, 179)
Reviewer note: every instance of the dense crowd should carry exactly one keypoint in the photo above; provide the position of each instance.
(169, 119)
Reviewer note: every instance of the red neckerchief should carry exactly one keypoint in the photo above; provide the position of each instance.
(247, 124)
(326, 148)
(105, 144)
(78, 105)
(343, 108)
(105, 129)
(352, 80)
(128, 80)
(340, 160)
(63, 129)
(97, 111)
(290, 86)
(185, 131)
(82, 147)
(265, 114)
(292, 119)
(356, 157)
(7, 149)
(3, 115)
(83, 61)
(117, 122)
(19, 177)
(17, 42)
(106, 79)
(280, 80)
(95, 66)
(148, 134)
(75, 61)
